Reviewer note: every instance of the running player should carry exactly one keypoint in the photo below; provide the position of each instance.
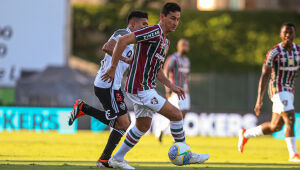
(110, 94)
(282, 64)
(177, 68)
(151, 49)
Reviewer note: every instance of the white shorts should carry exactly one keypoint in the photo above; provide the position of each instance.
(282, 102)
(146, 103)
(180, 104)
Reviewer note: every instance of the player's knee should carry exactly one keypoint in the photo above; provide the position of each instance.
(177, 115)
(143, 127)
(122, 124)
(276, 127)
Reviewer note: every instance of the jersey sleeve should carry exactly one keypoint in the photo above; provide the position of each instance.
(119, 33)
(151, 33)
(270, 57)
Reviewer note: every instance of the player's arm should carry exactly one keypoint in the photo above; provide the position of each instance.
(165, 81)
(117, 54)
(263, 82)
(109, 46)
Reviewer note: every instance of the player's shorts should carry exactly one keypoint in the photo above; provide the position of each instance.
(184, 104)
(146, 103)
(112, 100)
(282, 102)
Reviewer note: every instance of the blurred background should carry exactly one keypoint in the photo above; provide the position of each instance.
(50, 51)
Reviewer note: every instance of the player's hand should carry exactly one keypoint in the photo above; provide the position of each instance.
(257, 108)
(109, 75)
(127, 60)
(179, 91)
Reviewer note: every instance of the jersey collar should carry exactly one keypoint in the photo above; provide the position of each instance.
(128, 30)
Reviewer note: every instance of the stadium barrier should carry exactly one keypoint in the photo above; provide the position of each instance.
(205, 124)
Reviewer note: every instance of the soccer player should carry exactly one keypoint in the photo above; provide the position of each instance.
(177, 68)
(110, 94)
(152, 44)
(282, 64)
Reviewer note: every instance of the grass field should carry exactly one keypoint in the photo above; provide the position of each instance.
(30, 150)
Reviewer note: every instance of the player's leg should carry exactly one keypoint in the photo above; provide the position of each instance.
(289, 121)
(177, 131)
(263, 129)
(143, 124)
(81, 108)
(120, 126)
(173, 99)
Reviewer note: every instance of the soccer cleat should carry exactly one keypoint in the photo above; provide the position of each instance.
(242, 140)
(295, 158)
(198, 158)
(76, 112)
(102, 164)
(119, 164)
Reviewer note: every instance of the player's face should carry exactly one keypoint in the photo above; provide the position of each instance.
(171, 21)
(287, 34)
(183, 46)
(140, 23)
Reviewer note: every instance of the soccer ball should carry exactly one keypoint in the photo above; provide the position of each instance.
(180, 154)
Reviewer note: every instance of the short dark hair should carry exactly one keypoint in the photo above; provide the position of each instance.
(137, 14)
(170, 7)
(288, 24)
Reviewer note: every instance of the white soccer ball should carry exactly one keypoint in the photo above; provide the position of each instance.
(180, 154)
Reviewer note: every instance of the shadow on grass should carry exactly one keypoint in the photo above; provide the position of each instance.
(29, 164)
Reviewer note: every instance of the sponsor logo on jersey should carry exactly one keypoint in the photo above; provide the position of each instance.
(289, 68)
(152, 34)
(154, 100)
(161, 58)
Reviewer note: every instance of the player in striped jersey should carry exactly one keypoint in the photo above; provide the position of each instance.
(110, 94)
(151, 48)
(177, 68)
(282, 64)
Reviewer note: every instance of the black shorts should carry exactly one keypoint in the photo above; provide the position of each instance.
(112, 100)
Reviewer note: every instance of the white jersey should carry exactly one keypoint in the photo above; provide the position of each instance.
(121, 68)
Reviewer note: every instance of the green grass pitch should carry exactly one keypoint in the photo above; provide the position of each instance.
(51, 150)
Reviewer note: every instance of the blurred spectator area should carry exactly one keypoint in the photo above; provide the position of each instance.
(211, 4)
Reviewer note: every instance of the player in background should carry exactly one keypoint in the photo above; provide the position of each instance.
(110, 94)
(151, 49)
(282, 64)
(177, 69)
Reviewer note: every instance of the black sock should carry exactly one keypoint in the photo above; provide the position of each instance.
(98, 114)
(113, 140)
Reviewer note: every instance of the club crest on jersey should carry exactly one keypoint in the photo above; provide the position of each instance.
(291, 62)
(154, 100)
(285, 102)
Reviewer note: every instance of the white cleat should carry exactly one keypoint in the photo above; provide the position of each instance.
(198, 158)
(119, 164)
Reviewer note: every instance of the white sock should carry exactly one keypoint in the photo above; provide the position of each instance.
(132, 138)
(177, 131)
(254, 132)
(291, 145)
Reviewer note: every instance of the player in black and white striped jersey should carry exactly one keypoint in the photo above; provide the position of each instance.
(110, 94)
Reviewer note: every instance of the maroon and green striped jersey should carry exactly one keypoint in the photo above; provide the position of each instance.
(179, 67)
(285, 67)
(150, 52)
